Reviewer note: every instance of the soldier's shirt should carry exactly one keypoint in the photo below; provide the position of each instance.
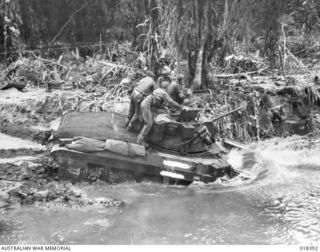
(146, 86)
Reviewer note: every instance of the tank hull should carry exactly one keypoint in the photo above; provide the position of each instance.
(156, 166)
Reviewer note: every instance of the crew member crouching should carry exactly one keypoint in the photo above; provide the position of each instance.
(144, 87)
(149, 108)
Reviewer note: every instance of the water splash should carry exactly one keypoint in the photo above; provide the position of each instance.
(275, 161)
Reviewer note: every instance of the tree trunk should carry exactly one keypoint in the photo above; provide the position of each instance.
(198, 77)
(203, 33)
(272, 30)
(10, 15)
(154, 17)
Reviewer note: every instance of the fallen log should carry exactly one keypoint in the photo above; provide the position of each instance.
(237, 75)
(18, 85)
(112, 65)
(48, 61)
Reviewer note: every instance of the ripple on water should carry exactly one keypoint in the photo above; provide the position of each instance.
(11, 232)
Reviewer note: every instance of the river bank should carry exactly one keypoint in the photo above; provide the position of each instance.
(29, 177)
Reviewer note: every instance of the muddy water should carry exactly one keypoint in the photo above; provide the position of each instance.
(279, 205)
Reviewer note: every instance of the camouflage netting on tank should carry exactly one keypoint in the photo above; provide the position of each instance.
(98, 125)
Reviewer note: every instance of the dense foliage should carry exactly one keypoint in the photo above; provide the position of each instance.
(199, 31)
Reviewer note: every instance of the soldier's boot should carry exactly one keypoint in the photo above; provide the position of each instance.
(140, 140)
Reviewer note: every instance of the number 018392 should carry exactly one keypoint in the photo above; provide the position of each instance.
(309, 248)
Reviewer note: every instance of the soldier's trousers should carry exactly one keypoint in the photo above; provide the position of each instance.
(134, 110)
(147, 118)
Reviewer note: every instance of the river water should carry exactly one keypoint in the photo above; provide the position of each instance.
(280, 204)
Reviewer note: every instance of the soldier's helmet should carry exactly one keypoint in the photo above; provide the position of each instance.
(125, 82)
(150, 73)
(180, 77)
(164, 84)
(165, 71)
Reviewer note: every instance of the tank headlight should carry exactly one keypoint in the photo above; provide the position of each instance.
(171, 175)
(175, 164)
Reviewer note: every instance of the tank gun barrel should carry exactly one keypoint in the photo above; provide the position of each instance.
(228, 113)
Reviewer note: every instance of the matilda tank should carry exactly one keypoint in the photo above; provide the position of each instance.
(180, 149)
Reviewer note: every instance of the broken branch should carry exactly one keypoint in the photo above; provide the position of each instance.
(49, 61)
(69, 20)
